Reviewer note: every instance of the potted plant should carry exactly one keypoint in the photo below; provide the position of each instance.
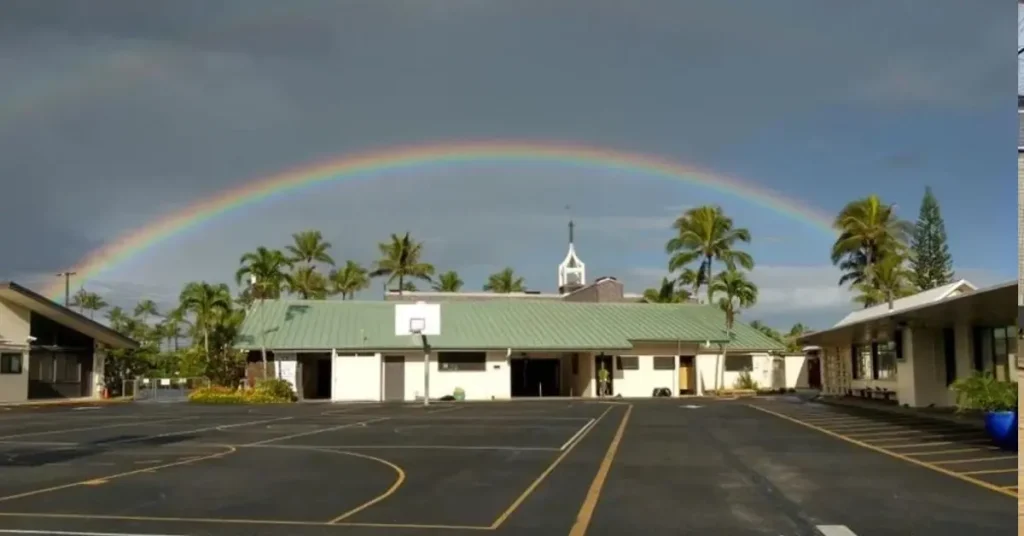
(997, 399)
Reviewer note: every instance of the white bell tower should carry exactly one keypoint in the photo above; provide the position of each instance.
(572, 272)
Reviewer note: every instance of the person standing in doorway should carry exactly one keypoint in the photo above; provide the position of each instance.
(602, 381)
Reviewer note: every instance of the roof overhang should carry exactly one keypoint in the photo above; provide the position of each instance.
(993, 306)
(38, 304)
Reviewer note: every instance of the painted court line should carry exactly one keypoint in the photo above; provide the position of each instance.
(313, 432)
(586, 511)
(577, 434)
(71, 533)
(540, 479)
(888, 452)
(976, 460)
(407, 447)
(99, 427)
(835, 530)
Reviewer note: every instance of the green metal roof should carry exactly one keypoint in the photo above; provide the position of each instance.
(517, 324)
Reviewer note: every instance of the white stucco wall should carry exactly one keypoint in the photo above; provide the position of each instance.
(493, 383)
(642, 382)
(712, 374)
(356, 378)
(285, 367)
(796, 372)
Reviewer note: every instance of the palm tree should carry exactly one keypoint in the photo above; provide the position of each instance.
(145, 309)
(116, 318)
(792, 338)
(891, 280)
(448, 282)
(309, 247)
(205, 302)
(88, 301)
(307, 283)
(667, 292)
(269, 267)
(349, 279)
(868, 232)
(705, 235)
(740, 293)
(172, 327)
(766, 329)
(400, 260)
(408, 286)
(505, 282)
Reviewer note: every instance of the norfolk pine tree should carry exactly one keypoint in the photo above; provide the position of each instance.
(930, 261)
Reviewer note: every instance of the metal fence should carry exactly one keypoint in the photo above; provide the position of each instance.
(162, 389)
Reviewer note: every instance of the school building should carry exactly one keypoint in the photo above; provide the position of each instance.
(912, 352)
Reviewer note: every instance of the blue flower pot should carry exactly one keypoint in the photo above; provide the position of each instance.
(1002, 428)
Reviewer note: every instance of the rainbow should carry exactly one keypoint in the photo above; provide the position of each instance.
(411, 157)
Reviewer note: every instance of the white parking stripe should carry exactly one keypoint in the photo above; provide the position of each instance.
(835, 530)
(66, 533)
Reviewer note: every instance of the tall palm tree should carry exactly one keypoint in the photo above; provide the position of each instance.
(792, 338)
(205, 302)
(891, 280)
(269, 267)
(307, 283)
(145, 309)
(309, 247)
(869, 230)
(448, 282)
(505, 282)
(400, 260)
(740, 293)
(88, 301)
(667, 292)
(706, 235)
(116, 318)
(349, 279)
(172, 328)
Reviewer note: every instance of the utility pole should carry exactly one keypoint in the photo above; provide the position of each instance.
(67, 286)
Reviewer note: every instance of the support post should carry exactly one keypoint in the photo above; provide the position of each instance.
(426, 371)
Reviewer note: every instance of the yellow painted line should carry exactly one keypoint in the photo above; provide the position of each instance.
(586, 512)
(537, 482)
(399, 480)
(237, 521)
(975, 460)
(895, 455)
(990, 471)
(1010, 487)
(97, 482)
(229, 450)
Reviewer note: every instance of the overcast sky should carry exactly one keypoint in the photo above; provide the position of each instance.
(114, 113)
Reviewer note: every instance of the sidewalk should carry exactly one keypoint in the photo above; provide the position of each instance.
(969, 418)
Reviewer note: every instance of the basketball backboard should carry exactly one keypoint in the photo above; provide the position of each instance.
(418, 318)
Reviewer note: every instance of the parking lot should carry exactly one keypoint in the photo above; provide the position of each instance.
(532, 467)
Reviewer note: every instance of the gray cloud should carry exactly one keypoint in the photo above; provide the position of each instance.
(121, 112)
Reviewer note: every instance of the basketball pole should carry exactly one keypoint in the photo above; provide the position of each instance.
(426, 371)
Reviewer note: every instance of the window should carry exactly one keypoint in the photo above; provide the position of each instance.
(627, 362)
(739, 363)
(664, 362)
(575, 364)
(461, 361)
(885, 360)
(68, 369)
(949, 354)
(10, 363)
(855, 368)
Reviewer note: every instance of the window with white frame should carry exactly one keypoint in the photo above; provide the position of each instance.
(885, 364)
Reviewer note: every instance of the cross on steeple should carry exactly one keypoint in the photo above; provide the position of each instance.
(571, 226)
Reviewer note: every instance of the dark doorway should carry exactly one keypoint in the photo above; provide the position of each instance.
(535, 377)
(316, 376)
(394, 378)
(814, 373)
(59, 374)
(606, 362)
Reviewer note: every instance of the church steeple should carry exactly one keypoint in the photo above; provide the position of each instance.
(572, 271)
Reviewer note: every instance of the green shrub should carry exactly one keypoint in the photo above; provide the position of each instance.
(745, 381)
(983, 392)
(276, 388)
